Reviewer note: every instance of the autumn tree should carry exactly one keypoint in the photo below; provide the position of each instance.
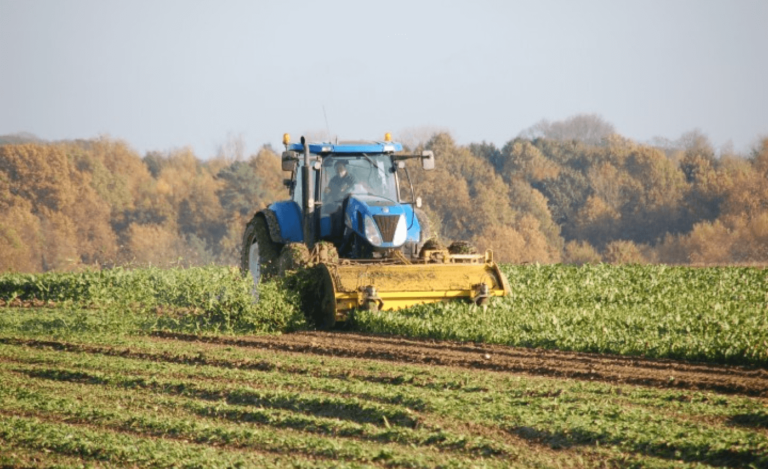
(587, 128)
(490, 153)
(623, 252)
(40, 175)
(759, 159)
(557, 193)
(183, 202)
(247, 186)
(580, 253)
(473, 202)
(19, 232)
(56, 191)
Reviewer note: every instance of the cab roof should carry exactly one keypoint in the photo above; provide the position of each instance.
(369, 147)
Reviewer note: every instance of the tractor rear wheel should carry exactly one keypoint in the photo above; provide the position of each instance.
(259, 253)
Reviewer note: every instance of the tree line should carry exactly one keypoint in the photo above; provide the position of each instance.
(546, 196)
(68, 205)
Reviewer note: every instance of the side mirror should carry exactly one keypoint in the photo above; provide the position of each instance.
(427, 160)
(289, 161)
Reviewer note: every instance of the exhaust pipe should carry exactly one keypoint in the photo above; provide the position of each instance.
(309, 199)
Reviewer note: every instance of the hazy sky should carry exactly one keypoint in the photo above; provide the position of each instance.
(167, 74)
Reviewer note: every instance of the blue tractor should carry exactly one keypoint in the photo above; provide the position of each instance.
(353, 214)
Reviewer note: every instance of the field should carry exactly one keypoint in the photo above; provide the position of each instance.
(597, 366)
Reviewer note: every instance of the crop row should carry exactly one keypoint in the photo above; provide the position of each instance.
(201, 410)
(261, 404)
(194, 299)
(712, 314)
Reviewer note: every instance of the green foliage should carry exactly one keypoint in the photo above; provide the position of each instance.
(712, 314)
(141, 401)
(194, 299)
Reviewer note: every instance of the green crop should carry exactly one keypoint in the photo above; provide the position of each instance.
(712, 314)
(84, 383)
(196, 299)
(154, 402)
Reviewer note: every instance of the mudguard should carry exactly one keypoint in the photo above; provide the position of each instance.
(284, 221)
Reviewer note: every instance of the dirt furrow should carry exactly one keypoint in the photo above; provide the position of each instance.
(727, 379)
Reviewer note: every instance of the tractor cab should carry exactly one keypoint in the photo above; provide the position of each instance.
(354, 196)
(351, 179)
(341, 176)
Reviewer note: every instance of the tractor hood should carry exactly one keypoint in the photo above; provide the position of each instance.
(381, 221)
(377, 203)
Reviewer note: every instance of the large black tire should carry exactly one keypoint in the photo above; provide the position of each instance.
(259, 253)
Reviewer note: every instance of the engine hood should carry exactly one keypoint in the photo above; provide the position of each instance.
(381, 221)
(376, 205)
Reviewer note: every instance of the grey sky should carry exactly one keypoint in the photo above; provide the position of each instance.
(165, 74)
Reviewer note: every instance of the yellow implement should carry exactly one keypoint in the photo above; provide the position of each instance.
(385, 287)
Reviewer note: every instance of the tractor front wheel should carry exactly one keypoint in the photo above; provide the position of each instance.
(259, 253)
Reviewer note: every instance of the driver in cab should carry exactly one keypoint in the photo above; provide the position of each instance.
(342, 183)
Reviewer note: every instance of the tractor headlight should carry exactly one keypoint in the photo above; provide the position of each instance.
(371, 232)
(401, 232)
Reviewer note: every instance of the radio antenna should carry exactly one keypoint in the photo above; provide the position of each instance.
(327, 127)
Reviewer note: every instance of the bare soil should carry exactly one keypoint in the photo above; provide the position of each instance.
(727, 379)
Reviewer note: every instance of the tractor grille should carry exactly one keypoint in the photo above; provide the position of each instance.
(387, 226)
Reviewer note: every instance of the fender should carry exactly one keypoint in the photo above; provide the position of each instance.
(284, 221)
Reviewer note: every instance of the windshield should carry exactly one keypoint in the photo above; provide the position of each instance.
(360, 175)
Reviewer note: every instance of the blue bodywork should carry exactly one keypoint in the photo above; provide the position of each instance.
(373, 204)
(361, 206)
(288, 214)
(362, 147)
